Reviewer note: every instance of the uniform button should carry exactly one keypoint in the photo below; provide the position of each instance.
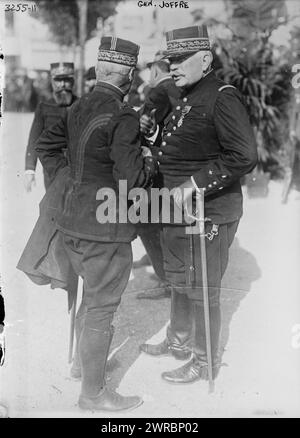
(173, 117)
(224, 176)
(210, 172)
(184, 99)
(169, 134)
(215, 183)
(158, 163)
(174, 128)
(160, 153)
(210, 186)
(220, 188)
(178, 108)
(163, 143)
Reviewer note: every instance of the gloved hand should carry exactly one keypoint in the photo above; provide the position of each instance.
(184, 192)
(29, 181)
(148, 123)
(146, 152)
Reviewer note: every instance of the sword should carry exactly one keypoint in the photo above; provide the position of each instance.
(199, 228)
(72, 302)
(201, 224)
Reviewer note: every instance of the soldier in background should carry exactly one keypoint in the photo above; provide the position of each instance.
(47, 114)
(90, 80)
(161, 96)
(162, 92)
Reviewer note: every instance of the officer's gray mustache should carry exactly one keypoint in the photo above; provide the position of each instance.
(63, 89)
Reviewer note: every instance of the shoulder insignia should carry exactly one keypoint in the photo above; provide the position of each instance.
(226, 86)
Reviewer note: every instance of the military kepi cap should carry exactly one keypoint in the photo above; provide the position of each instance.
(113, 49)
(158, 57)
(60, 70)
(186, 40)
(90, 74)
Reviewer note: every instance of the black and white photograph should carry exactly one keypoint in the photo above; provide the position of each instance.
(150, 211)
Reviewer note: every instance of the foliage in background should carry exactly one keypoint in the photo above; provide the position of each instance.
(249, 63)
(62, 18)
(266, 88)
(73, 22)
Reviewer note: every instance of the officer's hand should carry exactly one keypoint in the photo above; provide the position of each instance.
(146, 152)
(148, 124)
(29, 181)
(183, 193)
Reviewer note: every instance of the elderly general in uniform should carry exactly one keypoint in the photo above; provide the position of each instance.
(103, 140)
(208, 143)
(47, 114)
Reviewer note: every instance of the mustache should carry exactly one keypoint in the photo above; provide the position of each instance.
(61, 90)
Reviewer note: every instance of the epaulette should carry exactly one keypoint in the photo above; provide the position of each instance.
(226, 86)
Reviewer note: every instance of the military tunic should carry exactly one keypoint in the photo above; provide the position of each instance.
(208, 138)
(46, 114)
(103, 140)
(161, 97)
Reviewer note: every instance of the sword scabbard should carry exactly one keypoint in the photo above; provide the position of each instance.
(201, 225)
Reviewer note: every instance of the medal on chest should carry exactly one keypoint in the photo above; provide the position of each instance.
(185, 110)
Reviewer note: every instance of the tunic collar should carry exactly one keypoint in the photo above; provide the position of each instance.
(106, 87)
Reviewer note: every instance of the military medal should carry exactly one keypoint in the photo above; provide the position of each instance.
(184, 112)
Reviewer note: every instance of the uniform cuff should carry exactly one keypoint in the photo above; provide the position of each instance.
(29, 172)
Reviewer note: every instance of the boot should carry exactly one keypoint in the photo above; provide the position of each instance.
(109, 400)
(177, 342)
(164, 349)
(196, 368)
(94, 344)
(75, 371)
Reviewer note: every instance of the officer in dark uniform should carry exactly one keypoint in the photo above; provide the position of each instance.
(163, 93)
(90, 80)
(161, 96)
(208, 143)
(48, 113)
(103, 140)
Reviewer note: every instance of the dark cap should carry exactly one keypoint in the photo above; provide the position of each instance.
(159, 56)
(90, 74)
(60, 70)
(118, 51)
(186, 40)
